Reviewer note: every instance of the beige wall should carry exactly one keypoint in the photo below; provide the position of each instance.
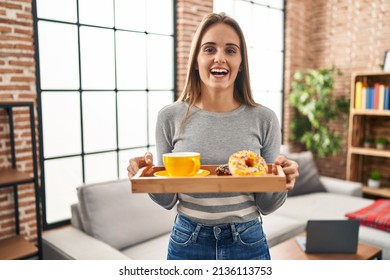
(351, 34)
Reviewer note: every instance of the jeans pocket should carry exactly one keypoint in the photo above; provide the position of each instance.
(181, 236)
(252, 236)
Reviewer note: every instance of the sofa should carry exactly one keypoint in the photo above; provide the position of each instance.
(110, 222)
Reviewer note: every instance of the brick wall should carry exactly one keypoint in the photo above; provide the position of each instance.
(189, 14)
(351, 34)
(298, 54)
(17, 82)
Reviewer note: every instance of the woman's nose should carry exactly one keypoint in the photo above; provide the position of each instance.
(219, 58)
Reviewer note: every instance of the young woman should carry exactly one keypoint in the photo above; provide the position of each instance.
(217, 116)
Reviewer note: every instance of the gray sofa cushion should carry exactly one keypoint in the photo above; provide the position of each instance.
(70, 243)
(279, 228)
(112, 214)
(155, 249)
(321, 206)
(309, 178)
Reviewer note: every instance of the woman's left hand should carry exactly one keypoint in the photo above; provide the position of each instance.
(290, 169)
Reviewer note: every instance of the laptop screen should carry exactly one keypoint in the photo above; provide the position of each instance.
(332, 236)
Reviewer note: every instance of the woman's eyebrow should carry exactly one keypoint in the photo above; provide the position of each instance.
(233, 44)
(227, 44)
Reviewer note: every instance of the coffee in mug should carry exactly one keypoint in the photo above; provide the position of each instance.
(181, 164)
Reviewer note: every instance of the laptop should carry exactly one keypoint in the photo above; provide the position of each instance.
(330, 236)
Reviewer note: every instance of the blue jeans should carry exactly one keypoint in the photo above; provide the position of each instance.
(193, 241)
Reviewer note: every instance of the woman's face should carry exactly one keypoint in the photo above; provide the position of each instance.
(219, 58)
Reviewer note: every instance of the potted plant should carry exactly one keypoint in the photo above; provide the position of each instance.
(374, 179)
(381, 142)
(312, 97)
(368, 142)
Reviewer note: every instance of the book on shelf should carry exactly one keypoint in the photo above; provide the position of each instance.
(358, 95)
(364, 98)
(369, 98)
(381, 97)
(373, 97)
(387, 99)
(375, 104)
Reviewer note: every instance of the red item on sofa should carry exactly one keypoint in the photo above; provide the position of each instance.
(376, 215)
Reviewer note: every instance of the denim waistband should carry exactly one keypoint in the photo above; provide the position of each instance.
(218, 231)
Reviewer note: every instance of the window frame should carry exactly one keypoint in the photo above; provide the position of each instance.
(268, 4)
(80, 90)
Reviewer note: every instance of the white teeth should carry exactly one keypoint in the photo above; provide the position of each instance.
(219, 71)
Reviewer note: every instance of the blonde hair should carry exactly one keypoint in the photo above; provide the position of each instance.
(191, 91)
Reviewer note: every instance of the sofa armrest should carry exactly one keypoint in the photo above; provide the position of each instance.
(341, 186)
(75, 219)
(69, 243)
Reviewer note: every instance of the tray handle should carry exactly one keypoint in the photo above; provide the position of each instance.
(146, 171)
(280, 171)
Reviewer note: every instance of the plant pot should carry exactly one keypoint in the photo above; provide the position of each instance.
(367, 144)
(380, 146)
(373, 183)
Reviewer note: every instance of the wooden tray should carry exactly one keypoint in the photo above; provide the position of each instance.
(212, 183)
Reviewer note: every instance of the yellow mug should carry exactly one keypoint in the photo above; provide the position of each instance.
(181, 164)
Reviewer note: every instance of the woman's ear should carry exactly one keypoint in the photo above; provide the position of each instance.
(196, 66)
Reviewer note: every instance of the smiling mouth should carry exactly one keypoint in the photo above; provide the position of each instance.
(219, 72)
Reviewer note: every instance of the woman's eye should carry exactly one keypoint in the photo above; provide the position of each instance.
(231, 51)
(209, 50)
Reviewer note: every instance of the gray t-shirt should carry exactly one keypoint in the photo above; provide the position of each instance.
(216, 136)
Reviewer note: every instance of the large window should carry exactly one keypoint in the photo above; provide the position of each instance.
(105, 68)
(262, 22)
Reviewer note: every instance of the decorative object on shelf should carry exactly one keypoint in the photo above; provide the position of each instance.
(386, 63)
(381, 143)
(368, 142)
(312, 96)
(374, 179)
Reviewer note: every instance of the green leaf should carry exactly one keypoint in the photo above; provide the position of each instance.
(312, 96)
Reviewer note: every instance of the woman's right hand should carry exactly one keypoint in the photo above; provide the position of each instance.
(138, 162)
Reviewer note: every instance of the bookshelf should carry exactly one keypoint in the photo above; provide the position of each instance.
(369, 117)
(17, 247)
